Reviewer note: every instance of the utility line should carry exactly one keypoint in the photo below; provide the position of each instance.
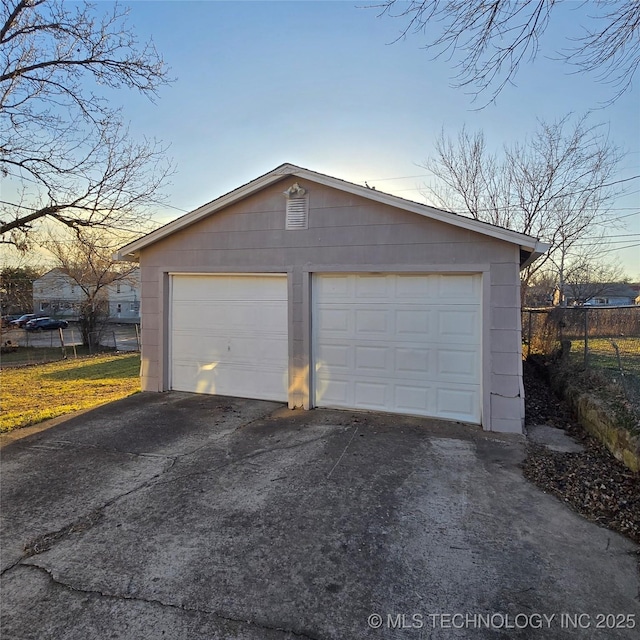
(21, 206)
(631, 246)
(424, 175)
(604, 242)
(616, 235)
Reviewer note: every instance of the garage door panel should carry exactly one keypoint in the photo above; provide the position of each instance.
(336, 286)
(243, 348)
(411, 323)
(334, 391)
(457, 365)
(372, 286)
(205, 316)
(227, 379)
(371, 395)
(229, 336)
(414, 288)
(235, 380)
(413, 399)
(228, 288)
(413, 361)
(340, 355)
(457, 288)
(371, 358)
(333, 321)
(462, 324)
(371, 322)
(456, 403)
(396, 345)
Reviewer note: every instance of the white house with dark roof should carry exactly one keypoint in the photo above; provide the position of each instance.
(58, 295)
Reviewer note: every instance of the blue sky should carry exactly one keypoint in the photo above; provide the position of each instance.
(319, 84)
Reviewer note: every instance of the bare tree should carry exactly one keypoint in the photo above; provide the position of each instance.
(16, 288)
(86, 257)
(495, 37)
(588, 276)
(540, 289)
(554, 185)
(64, 147)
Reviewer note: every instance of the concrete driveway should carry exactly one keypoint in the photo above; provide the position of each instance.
(184, 517)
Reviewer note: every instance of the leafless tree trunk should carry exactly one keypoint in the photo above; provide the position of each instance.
(86, 258)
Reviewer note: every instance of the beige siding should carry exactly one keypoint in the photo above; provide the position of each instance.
(346, 233)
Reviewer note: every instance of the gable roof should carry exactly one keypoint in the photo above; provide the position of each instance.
(56, 270)
(531, 248)
(597, 289)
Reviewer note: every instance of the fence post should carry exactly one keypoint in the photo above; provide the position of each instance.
(137, 336)
(115, 342)
(586, 338)
(529, 335)
(64, 351)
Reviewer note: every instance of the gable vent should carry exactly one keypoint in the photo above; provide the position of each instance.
(297, 207)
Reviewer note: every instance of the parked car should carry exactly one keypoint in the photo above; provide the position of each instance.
(45, 324)
(7, 320)
(22, 320)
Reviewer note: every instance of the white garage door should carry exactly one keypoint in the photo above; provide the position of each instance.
(229, 335)
(399, 343)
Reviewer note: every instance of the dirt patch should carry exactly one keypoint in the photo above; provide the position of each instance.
(592, 482)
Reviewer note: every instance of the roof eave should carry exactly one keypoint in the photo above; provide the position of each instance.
(538, 250)
(131, 251)
(448, 217)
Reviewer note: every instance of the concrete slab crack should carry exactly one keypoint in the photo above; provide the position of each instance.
(170, 605)
(226, 434)
(353, 435)
(58, 444)
(46, 541)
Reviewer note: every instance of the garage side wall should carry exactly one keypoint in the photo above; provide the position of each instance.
(345, 233)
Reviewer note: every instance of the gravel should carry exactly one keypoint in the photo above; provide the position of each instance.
(592, 482)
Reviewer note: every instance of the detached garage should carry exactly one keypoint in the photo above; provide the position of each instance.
(302, 288)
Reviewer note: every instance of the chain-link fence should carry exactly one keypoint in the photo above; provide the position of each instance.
(18, 346)
(604, 340)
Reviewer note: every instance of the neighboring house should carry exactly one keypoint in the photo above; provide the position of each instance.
(612, 294)
(306, 289)
(124, 299)
(635, 287)
(58, 295)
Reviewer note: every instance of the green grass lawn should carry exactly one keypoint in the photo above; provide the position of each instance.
(29, 395)
(602, 353)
